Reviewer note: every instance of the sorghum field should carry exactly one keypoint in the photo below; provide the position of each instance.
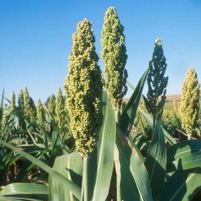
(89, 143)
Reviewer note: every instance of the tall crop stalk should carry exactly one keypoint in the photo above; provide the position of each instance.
(83, 88)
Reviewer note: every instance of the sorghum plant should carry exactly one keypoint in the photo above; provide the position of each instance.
(40, 113)
(83, 88)
(12, 102)
(51, 105)
(156, 81)
(59, 109)
(29, 105)
(114, 57)
(189, 109)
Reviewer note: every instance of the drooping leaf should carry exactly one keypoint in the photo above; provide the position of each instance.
(156, 161)
(66, 182)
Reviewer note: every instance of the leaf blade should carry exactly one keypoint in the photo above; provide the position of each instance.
(182, 185)
(149, 119)
(69, 185)
(134, 179)
(70, 166)
(156, 161)
(128, 115)
(184, 155)
(105, 149)
(25, 190)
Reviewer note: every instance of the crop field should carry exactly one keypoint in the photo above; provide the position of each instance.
(88, 143)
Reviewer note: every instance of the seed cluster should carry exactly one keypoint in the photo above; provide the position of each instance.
(114, 57)
(189, 109)
(83, 88)
(156, 81)
(59, 109)
(40, 113)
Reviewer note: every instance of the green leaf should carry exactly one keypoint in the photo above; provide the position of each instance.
(71, 167)
(2, 198)
(182, 185)
(125, 118)
(102, 158)
(184, 155)
(5, 161)
(66, 182)
(149, 119)
(156, 161)
(148, 104)
(128, 115)
(25, 191)
(132, 177)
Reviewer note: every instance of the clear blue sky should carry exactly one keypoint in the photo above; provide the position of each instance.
(36, 39)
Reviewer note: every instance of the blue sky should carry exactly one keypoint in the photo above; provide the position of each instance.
(36, 39)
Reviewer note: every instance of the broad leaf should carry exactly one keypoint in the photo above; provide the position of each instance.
(184, 155)
(25, 191)
(182, 185)
(156, 161)
(71, 167)
(132, 177)
(101, 161)
(66, 182)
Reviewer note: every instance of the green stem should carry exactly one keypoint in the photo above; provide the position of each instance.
(117, 116)
(85, 182)
(118, 172)
(118, 189)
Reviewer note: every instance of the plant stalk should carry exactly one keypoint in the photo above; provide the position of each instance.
(117, 116)
(117, 119)
(86, 180)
